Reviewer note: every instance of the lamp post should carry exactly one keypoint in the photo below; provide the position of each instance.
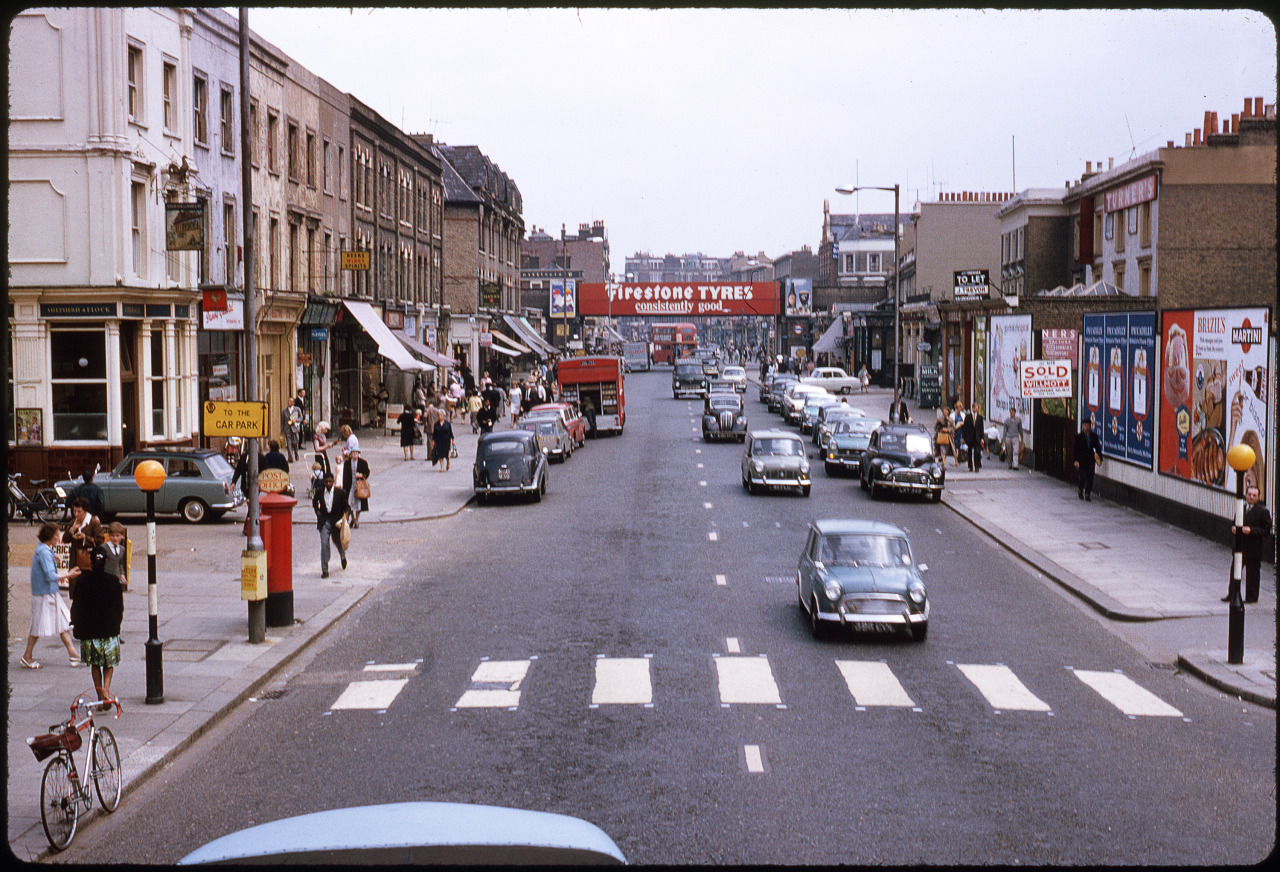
(897, 317)
(149, 475)
(1240, 458)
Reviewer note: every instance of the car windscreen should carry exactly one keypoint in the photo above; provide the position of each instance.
(502, 448)
(734, 372)
(689, 369)
(723, 403)
(783, 447)
(218, 465)
(914, 443)
(860, 549)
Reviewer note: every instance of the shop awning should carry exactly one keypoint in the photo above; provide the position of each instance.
(510, 343)
(501, 350)
(319, 313)
(829, 341)
(424, 350)
(613, 335)
(540, 346)
(388, 346)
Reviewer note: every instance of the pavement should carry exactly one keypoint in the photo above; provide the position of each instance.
(1155, 584)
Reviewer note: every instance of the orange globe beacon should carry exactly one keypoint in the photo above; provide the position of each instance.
(1241, 457)
(149, 474)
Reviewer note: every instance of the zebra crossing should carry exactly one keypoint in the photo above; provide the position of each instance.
(741, 679)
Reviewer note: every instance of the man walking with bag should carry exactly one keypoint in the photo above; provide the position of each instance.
(330, 506)
(1088, 453)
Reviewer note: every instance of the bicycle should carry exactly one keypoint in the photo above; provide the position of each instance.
(47, 504)
(64, 795)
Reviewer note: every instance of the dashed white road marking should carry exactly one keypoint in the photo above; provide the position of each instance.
(702, 484)
(1127, 695)
(754, 758)
(495, 684)
(713, 536)
(391, 667)
(1002, 688)
(622, 681)
(746, 680)
(721, 581)
(873, 684)
(377, 694)
(732, 645)
(706, 505)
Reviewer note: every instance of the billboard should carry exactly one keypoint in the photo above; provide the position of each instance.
(1008, 344)
(797, 295)
(564, 298)
(1116, 379)
(677, 300)
(1214, 394)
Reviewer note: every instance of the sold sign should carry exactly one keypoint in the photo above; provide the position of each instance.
(1045, 378)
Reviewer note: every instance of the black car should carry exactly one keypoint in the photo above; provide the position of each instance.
(688, 378)
(509, 461)
(900, 457)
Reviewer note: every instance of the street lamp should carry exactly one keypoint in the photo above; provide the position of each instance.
(1241, 457)
(897, 318)
(149, 475)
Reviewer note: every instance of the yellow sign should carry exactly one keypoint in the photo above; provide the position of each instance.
(355, 260)
(253, 575)
(235, 419)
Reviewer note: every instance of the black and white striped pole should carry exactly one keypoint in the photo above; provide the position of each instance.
(1240, 458)
(149, 475)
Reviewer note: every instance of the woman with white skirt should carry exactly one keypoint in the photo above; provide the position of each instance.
(49, 613)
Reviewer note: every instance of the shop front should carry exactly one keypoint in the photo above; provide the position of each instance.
(369, 363)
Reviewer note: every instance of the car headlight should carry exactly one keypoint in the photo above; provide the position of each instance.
(885, 468)
(804, 468)
(916, 592)
(759, 465)
(832, 589)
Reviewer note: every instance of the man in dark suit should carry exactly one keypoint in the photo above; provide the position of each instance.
(1254, 530)
(975, 436)
(1088, 451)
(330, 505)
(898, 413)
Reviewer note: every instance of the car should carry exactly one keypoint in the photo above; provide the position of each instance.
(688, 378)
(775, 458)
(827, 418)
(723, 417)
(709, 360)
(795, 398)
(765, 384)
(812, 411)
(567, 412)
(737, 376)
(861, 575)
(719, 385)
(552, 436)
(834, 379)
(778, 388)
(848, 442)
(901, 457)
(509, 462)
(197, 485)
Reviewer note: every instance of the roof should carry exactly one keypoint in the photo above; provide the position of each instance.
(826, 526)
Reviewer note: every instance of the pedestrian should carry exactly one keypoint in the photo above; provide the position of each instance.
(84, 534)
(1255, 528)
(486, 417)
(97, 608)
(293, 428)
(434, 414)
(330, 505)
(515, 402)
(408, 428)
(898, 413)
(419, 395)
(864, 377)
(117, 553)
(1011, 437)
(355, 484)
(49, 613)
(474, 404)
(442, 440)
(974, 436)
(320, 444)
(944, 437)
(92, 493)
(351, 441)
(1087, 454)
(274, 458)
(454, 400)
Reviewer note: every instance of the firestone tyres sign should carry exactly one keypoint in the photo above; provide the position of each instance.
(620, 298)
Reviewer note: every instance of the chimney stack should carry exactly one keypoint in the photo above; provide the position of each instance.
(1248, 107)
(1195, 140)
(1111, 162)
(1258, 110)
(1235, 122)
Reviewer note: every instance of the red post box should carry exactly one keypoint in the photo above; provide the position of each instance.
(276, 527)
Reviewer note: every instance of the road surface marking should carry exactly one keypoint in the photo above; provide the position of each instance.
(370, 694)
(495, 684)
(706, 505)
(622, 681)
(721, 581)
(732, 645)
(699, 466)
(755, 759)
(712, 537)
(702, 484)
(1127, 695)
(746, 680)
(391, 667)
(873, 684)
(1002, 688)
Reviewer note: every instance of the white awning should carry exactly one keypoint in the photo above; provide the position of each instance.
(540, 346)
(829, 342)
(388, 345)
(501, 350)
(425, 350)
(510, 343)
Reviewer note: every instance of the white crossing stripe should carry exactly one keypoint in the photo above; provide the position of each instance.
(622, 681)
(495, 684)
(732, 645)
(746, 680)
(720, 580)
(1127, 695)
(391, 667)
(755, 760)
(713, 536)
(370, 694)
(1002, 688)
(873, 683)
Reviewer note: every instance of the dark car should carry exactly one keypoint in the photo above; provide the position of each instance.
(509, 462)
(688, 378)
(848, 441)
(861, 575)
(723, 416)
(777, 389)
(900, 457)
(197, 485)
(709, 360)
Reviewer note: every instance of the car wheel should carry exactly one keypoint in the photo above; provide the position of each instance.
(937, 496)
(875, 491)
(751, 487)
(920, 632)
(815, 625)
(193, 510)
(482, 499)
(706, 437)
(804, 489)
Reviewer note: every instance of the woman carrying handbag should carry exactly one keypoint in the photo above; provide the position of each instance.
(355, 482)
(84, 534)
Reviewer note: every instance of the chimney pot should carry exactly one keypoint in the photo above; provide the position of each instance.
(1257, 107)
(1088, 166)
(1111, 162)
(1196, 138)
(1169, 144)
(1188, 142)
(1235, 122)
(1248, 107)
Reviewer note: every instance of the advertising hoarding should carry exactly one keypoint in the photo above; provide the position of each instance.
(1117, 387)
(1008, 344)
(677, 300)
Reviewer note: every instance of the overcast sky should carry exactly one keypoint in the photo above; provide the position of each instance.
(725, 130)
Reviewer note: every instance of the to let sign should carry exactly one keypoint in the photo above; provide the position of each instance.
(236, 419)
(970, 284)
(1040, 379)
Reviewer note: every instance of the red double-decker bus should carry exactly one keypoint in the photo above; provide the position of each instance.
(673, 341)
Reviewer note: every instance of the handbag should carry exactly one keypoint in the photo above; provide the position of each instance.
(453, 450)
(362, 488)
(344, 533)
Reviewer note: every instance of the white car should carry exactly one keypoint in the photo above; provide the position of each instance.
(738, 376)
(834, 379)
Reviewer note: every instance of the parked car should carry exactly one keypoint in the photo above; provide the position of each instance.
(813, 408)
(197, 485)
(710, 361)
(509, 461)
(834, 379)
(775, 458)
(778, 388)
(723, 417)
(567, 412)
(796, 397)
(737, 376)
(688, 378)
(861, 575)
(765, 384)
(848, 442)
(827, 418)
(900, 457)
(553, 437)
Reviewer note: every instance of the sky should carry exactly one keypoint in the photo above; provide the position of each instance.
(725, 130)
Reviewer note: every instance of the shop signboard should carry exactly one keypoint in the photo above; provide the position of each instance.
(1215, 373)
(1116, 380)
(930, 384)
(1008, 344)
(656, 298)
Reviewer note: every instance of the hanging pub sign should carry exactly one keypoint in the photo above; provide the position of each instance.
(184, 226)
(490, 295)
(1116, 388)
(971, 284)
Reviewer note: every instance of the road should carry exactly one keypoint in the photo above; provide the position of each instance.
(508, 664)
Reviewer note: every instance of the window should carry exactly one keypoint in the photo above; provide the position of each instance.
(273, 133)
(78, 370)
(253, 132)
(227, 131)
(170, 87)
(156, 379)
(1144, 278)
(218, 363)
(873, 262)
(273, 280)
(1097, 234)
(342, 172)
(134, 64)
(293, 257)
(200, 108)
(310, 282)
(324, 167)
(311, 159)
(138, 225)
(1144, 224)
(327, 262)
(1119, 237)
(229, 241)
(203, 254)
(1117, 272)
(292, 151)
(850, 263)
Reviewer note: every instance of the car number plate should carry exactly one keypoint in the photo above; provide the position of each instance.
(873, 627)
(504, 475)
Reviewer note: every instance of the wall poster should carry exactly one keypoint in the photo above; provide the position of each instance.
(1214, 394)
(1117, 383)
(1008, 344)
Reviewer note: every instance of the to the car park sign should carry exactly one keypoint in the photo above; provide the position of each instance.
(236, 419)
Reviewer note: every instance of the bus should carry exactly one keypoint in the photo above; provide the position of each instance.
(673, 341)
(595, 384)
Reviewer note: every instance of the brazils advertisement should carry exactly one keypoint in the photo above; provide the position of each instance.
(1215, 373)
(1116, 388)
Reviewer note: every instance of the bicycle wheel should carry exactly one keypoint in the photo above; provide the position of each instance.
(104, 757)
(47, 508)
(59, 803)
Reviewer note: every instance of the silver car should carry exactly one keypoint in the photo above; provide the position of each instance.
(775, 458)
(197, 485)
(737, 376)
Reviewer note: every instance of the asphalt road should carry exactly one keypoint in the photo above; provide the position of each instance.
(516, 649)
